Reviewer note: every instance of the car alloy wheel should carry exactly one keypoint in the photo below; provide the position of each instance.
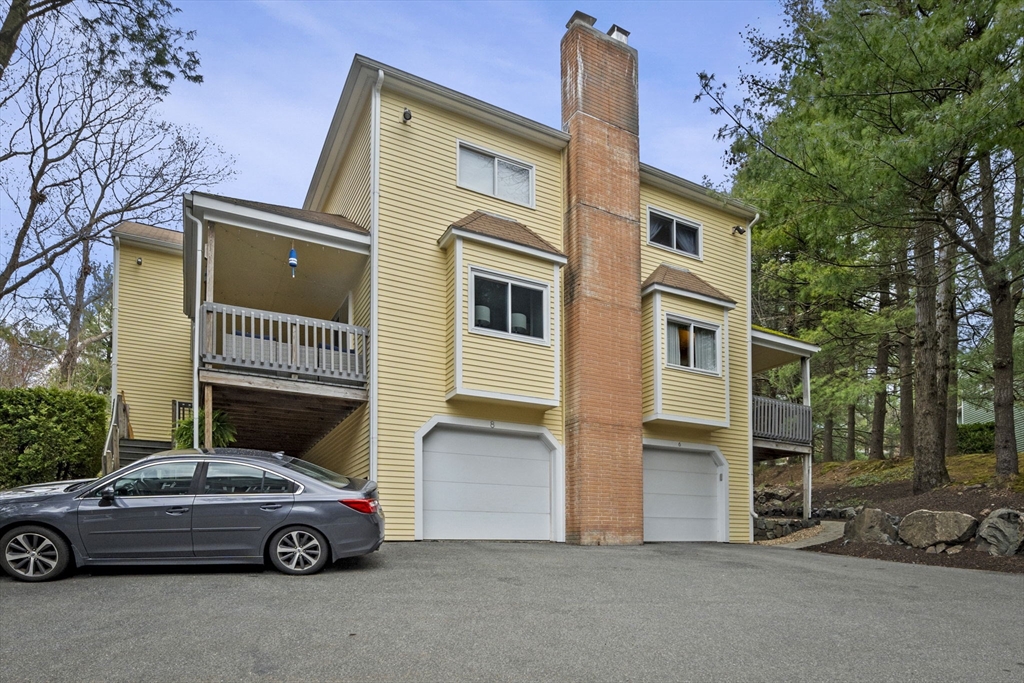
(299, 551)
(33, 554)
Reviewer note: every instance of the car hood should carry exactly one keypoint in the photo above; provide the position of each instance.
(39, 491)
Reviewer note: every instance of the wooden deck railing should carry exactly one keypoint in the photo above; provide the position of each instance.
(781, 421)
(283, 345)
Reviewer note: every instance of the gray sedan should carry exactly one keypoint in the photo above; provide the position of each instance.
(192, 507)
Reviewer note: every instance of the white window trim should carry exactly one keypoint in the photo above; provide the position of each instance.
(459, 144)
(683, 320)
(544, 287)
(699, 256)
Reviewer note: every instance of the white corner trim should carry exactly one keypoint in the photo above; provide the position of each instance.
(374, 271)
(686, 294)
(196, 304)
(725, 352)
(115, 297)
(556, 330)
(459, 233)
(557, 465)
(749, 388)
(723, 476)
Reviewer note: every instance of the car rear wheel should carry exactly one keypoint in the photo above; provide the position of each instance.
(34, 553)
(299, 550)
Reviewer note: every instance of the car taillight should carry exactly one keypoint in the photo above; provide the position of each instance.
(365, 505)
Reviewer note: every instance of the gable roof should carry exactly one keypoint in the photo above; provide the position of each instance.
(681, 279)
(330, 220)
(149, 235)
(505, 229)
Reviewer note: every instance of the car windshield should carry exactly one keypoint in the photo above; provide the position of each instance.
(319, 473)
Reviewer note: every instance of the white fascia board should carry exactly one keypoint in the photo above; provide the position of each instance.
(217, 211)
(452, 233)
(780, 343)
(698, 193)
(658, 287)
(516, 399)
(150, 243)
(666, 417)
(361, 77)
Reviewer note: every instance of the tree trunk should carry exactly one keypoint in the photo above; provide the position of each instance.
(929, 456)
(952, 398)
(828, 439)
(906, 366)
(876, 443)
(10, 31)
(851, 432)
(76, 311)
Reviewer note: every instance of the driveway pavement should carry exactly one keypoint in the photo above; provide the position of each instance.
(518, 611)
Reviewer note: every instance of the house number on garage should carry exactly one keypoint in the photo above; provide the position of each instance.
(492, 424)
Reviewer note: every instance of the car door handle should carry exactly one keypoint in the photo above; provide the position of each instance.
(177, 510)
(270, 507)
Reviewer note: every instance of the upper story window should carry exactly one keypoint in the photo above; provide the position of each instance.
(504, 306)
(495, 175)
(671, 232)
(692, 345)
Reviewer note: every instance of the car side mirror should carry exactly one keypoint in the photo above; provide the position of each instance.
(107, 493)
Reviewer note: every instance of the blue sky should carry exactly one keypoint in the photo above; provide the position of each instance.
(274, 70)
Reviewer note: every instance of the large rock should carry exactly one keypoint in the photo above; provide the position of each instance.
(872, 526)
(1003, 532)
(924, 528)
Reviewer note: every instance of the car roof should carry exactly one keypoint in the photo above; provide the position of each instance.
(242, 453)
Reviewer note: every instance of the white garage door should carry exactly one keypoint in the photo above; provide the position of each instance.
(680, 496)
(485, 485)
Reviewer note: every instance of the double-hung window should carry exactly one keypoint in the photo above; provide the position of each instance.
(506, 306)
(673, 233)
(692, 345)
(495, 175)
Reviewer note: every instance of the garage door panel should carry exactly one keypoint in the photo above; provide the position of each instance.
(681, 496)
(473, 442)
(485, 485)
(682, 507)
(487, 526)
(455, 496)
(484, 469)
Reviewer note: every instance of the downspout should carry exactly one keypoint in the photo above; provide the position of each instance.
(195, 326)
(750, 382)
(374, 267)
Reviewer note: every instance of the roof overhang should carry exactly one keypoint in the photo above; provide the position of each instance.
(148, 242)
(770, 350)
(698, 193)
(452, 233)
(667, 289)
(362, 76)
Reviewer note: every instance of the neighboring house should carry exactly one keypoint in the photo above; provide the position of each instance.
(973, 413)
(520, 332)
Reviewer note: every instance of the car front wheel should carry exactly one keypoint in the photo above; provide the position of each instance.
(34, 553)
(299, 550)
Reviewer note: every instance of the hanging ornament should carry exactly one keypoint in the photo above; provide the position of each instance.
(293, 259)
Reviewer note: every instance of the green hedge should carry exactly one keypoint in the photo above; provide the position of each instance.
(979, 437)
(50, 434)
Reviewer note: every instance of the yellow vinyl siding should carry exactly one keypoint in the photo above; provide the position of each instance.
(509, 366)
(419, 199)
(449, 338)
(647, 359)
(686, 392)
(154, 338)
(346, 449)
(725, 267)
(349, 195)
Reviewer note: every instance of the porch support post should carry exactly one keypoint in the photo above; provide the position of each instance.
(805, 382)
(208, 416)
(211, 326)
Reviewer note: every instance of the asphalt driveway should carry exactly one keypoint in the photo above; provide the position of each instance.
(521, 611)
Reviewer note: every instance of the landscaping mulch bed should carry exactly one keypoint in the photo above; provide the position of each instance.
(968, 558)
(896, 498)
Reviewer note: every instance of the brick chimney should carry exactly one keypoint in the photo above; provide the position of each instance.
(603, 401)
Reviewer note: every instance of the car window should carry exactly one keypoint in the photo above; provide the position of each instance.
(319, 473)
(164, 479)
(223, 478)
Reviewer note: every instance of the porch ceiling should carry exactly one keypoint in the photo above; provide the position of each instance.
(251, 270)
(275, 421)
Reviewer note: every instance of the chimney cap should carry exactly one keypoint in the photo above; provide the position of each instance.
(618, 33)
(581, 17)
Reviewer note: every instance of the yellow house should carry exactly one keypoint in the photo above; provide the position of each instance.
(520, 332)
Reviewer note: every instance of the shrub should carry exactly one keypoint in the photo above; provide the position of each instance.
(223, 431)
(976, 438)
(49, 435)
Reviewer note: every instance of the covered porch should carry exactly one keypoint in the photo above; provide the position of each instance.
(275, 295)
(781, 428)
